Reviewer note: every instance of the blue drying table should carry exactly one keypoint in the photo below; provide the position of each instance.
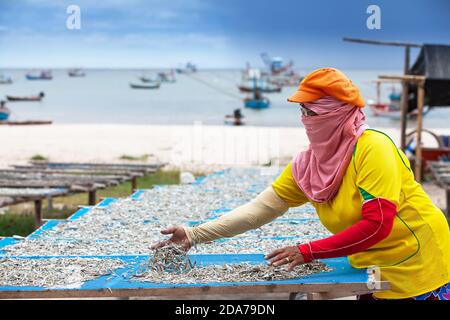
(343, 280)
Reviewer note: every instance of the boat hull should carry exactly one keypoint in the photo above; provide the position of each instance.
(76, 75)
(257, 104)
(4, 116)
(247, 89)
(13, 99)
(145, 86)
(38, 78)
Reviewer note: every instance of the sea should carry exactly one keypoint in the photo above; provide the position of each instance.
(105, 96)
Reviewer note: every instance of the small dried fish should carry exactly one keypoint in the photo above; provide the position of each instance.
(129, 226)
(240, 272)
(171, 258)
(54, 272)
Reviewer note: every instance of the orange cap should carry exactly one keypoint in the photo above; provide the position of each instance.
(327, 82)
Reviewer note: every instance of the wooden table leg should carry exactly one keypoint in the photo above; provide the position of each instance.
(92, 197)
(37, 213)
(133, 184)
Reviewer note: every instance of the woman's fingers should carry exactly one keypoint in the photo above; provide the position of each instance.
(169, 230)
(280, 259)
(294, 263)
(273, 253)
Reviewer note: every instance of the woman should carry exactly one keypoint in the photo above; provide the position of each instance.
(363, 190)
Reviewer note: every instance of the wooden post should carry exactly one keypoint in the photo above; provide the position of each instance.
(92, 197)
(378, 92)
(37, 213)
(133, 184)
(404, 102)
(418, 155)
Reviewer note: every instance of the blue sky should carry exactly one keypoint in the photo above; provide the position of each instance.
(213, 33)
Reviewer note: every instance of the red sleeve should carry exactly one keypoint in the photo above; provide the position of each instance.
(376, 224)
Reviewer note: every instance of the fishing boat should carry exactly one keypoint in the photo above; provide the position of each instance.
(277, 72)
(145, 79)
(43, 75)
(149, 79)
(4, 111)
(76, 73)
(30, 98)
(5, 79)
(264, 89)
(154, 85)
(168, 77)
(189, 68)
(392, 109)
(251, 103)
(260, 84)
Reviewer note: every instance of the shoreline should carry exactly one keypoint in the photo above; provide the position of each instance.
(178, 145)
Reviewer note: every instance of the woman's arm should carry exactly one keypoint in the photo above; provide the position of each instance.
(268, 205)
(261, 210)
(376, 224)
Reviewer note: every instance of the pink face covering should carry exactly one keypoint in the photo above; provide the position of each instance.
(332, 134)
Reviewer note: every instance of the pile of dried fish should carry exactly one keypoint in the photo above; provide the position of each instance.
(54, 272)
(240, 272)
(171, 264)
(171, 258)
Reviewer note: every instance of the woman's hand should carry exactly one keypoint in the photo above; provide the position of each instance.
(286, 255)
(178, 236)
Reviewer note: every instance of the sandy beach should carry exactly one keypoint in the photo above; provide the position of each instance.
(183, 146)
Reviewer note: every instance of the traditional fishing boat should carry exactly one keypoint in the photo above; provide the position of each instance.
(259, 84)
(30, 98)
(154, 85)
(392, 109)
(386, 110)
(267, 89)
(76, 73)
(263, 103)
(190, 68)
(168, 77)
(149, 79)
(4, 111)
(43, 75)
